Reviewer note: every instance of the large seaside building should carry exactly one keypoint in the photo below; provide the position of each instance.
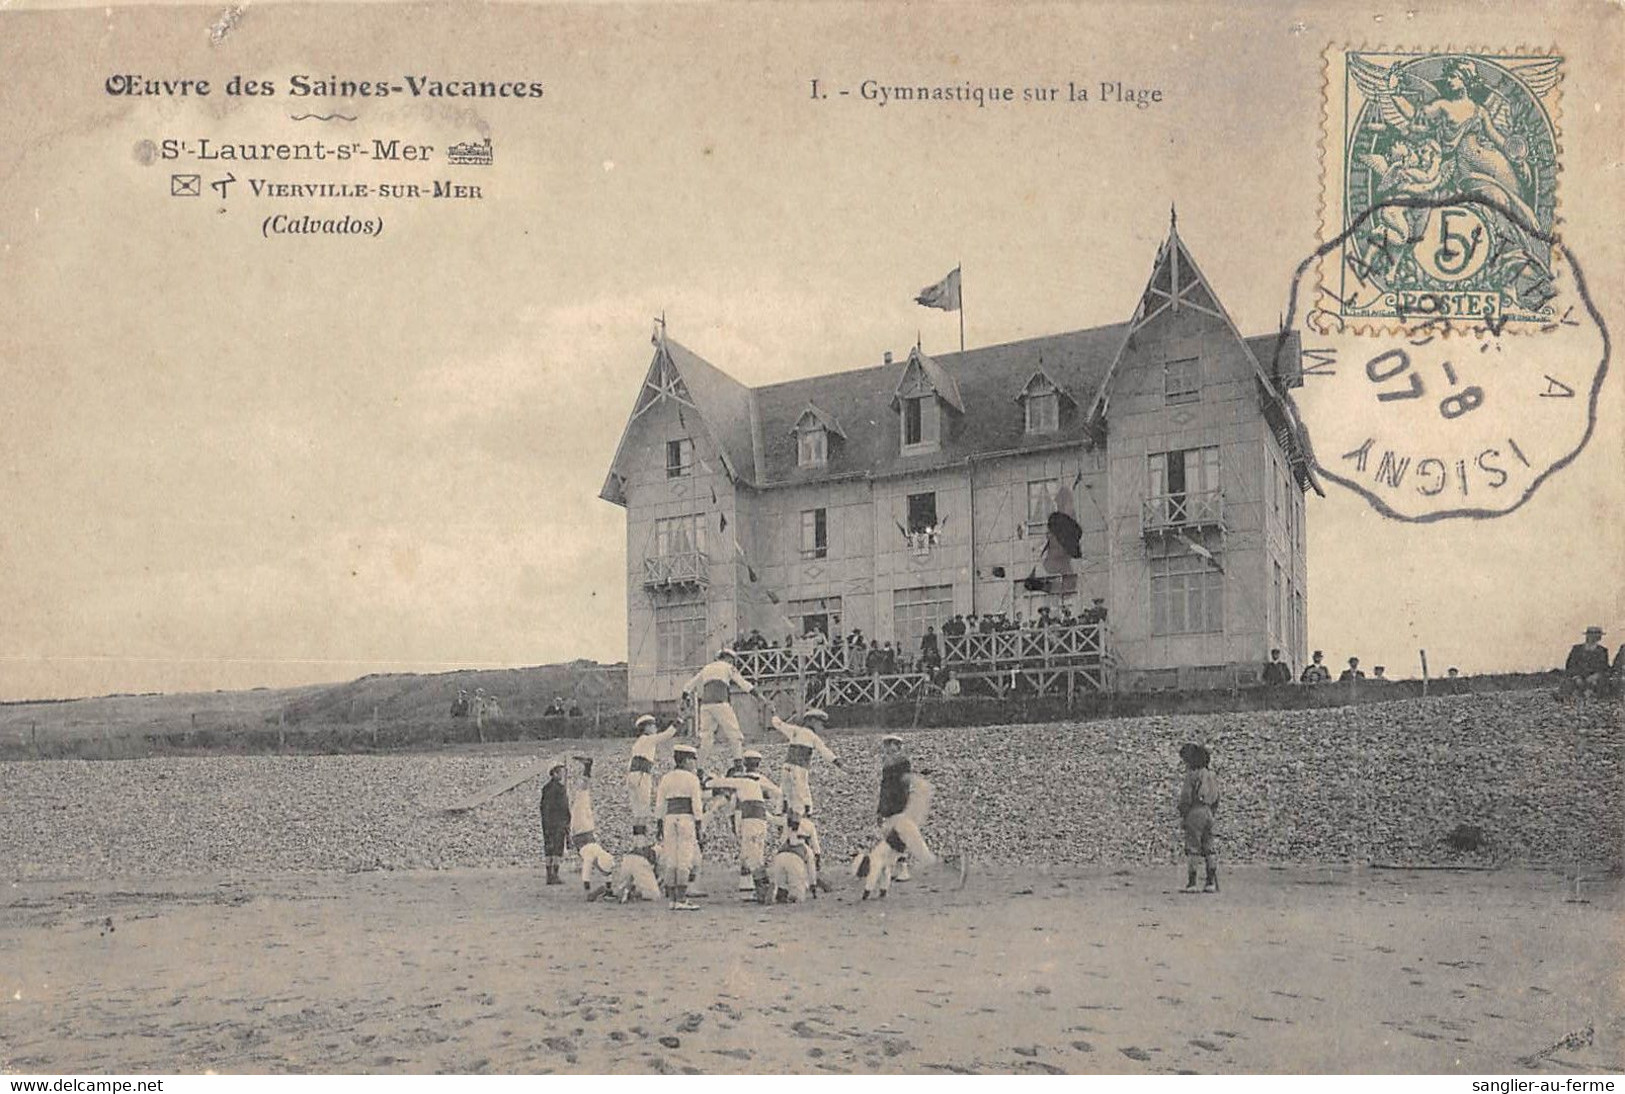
(890, 498)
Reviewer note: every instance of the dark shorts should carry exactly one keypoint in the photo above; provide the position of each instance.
(1198, 825)
(552, 842)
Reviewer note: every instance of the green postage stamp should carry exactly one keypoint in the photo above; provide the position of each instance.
(1441, 187)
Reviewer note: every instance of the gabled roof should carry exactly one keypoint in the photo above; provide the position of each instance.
(940, 381)
(984, 379)
(1042, 381)
(821, 419)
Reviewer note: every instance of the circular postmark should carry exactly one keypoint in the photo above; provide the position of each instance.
(1448, 413)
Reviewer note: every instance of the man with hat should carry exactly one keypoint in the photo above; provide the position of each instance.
(712, 688)
(802, 743)
(640, 774)
(1198, 801)
(555, 809)
(1586, 671)
(678, 806)
(905, 801)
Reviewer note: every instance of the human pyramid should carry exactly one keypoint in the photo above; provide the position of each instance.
(780, 855)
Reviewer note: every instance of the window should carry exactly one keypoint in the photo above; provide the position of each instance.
(922, 514)
(1043, 412)
(1182, 381)
(680, 636)
(812, 448)
(1185, 483)
(680, 535)
(1277, 609)
(822, 615)
(920, 422)
(814, 533)
(679, 458)
(1040, 503)
(1187, 594)
(913, 610)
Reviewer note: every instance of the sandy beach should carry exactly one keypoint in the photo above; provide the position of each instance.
(1071, 971)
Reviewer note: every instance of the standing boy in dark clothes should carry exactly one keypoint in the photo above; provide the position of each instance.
(1198, 801)
(555, 821)
(905, 801)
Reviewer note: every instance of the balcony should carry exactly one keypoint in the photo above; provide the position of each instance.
(1033, 647)
(685, 570)
(1193, 510)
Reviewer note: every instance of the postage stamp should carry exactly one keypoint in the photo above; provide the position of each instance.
(1441, 176)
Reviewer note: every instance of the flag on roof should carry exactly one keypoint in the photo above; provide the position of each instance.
(944, 294)
(1063, 539)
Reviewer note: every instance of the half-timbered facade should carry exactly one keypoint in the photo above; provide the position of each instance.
(889, 499)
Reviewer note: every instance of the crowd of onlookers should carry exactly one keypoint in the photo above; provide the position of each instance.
(864, 657)
(1278, 673)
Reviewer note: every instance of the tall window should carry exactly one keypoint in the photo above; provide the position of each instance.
(1182, 381)
(1040, 502)
(1187, 594)
(679, 458)
(814, 533)
(913, 610)
(922, 513)
(679, 535)
(1043, 412)
(920, 422)
(1277, 606)
(812, 448)
(1187, 481)
(680, 636)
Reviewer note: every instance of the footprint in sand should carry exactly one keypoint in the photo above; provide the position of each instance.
(1207, 1046)
(1134, 1053)
(1083, 1046)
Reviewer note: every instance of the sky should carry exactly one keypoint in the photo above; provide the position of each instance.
(233, 461)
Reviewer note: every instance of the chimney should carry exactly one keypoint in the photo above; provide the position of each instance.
(887, 361)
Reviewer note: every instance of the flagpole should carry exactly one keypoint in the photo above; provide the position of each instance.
(961, 271)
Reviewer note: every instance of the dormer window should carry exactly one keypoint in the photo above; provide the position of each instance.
(921, 423)
(1041, 402)
(815, 430)
(812, 448)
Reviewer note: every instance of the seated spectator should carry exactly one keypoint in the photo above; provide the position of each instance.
(1352, 672)
(555, 709)
(575, 710)
(1377, 674)
(1277, 672)
(1453, 683)
(950, 686)
(1316, 672)
(1586, 671)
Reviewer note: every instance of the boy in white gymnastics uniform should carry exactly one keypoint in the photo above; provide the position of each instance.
(746, 799)
(802, 743)
(640, 773)
(634, 877)
(712, 688)
(584, 834)
(792, 865)
(679, 808)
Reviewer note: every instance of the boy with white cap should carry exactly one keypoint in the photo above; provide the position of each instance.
(802, 743)
(679, 811)
(905, 801)
(640, 773)
(584, 834)
(712, 688)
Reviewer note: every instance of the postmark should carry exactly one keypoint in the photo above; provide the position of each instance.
(1441, 174)
(1444, 416)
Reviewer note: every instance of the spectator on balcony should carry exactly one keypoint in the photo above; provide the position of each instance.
(874, 662)
(955, 627)
(1351, 673)
(888, 660)
(815, 640)
(1586, 672)
(989, 624)
(1277, 673)
(930, 654)
(856, 640)
(1316, 672)
(1067, 619)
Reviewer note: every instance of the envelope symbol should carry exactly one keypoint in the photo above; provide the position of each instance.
(185, 186)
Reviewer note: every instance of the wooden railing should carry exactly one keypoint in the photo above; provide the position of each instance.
(1192, 509)
(688, 569)
(1038, 647)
